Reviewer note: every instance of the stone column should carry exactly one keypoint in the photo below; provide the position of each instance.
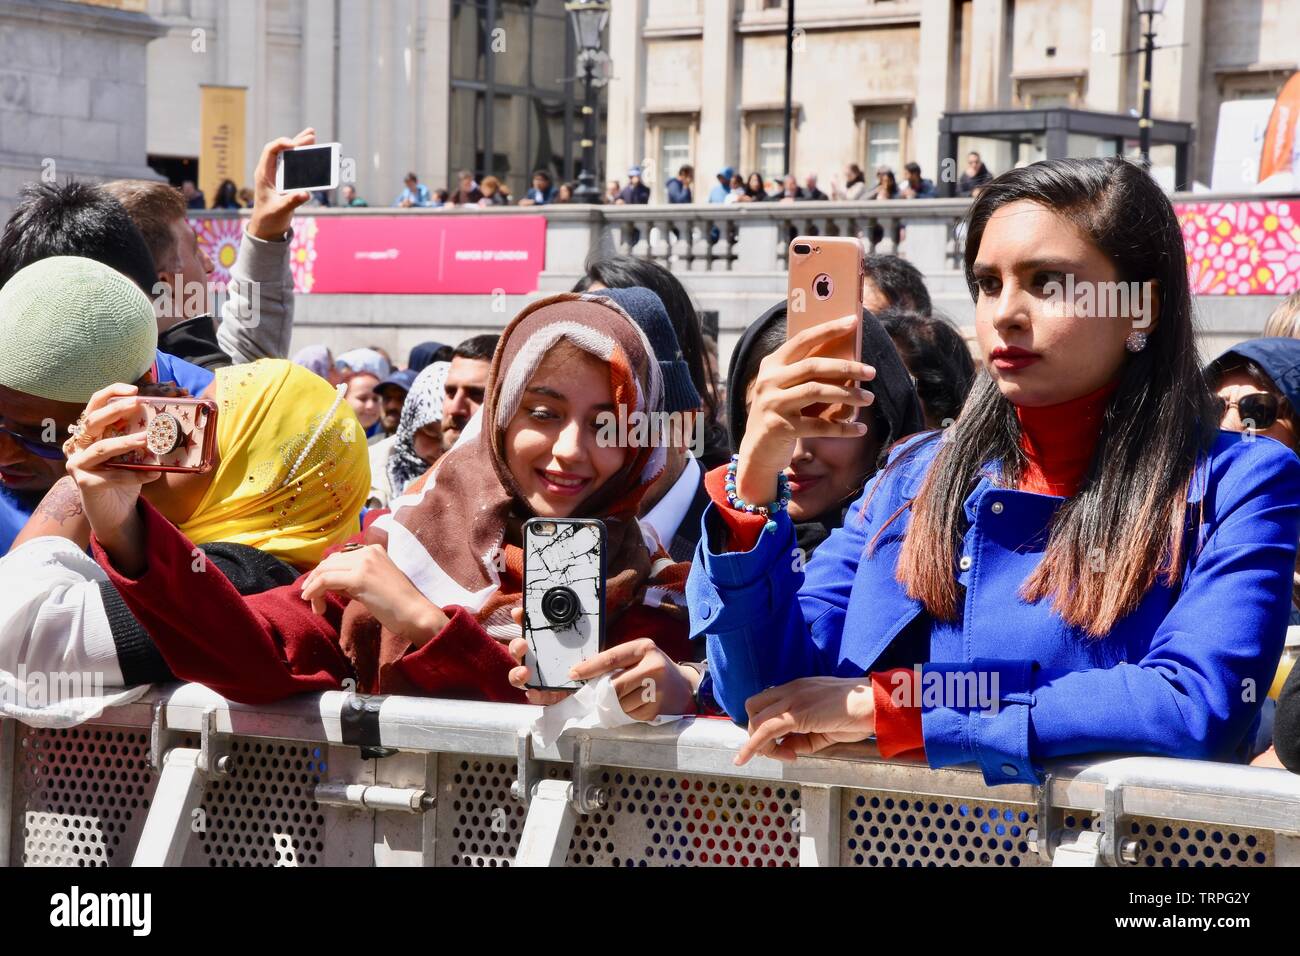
(624, 121)
(935, 54)
(719, 143)
(434, 96)
(240, 48)
(72, 94)
(353, 103)
(398, 107)
(1105, 69)
(990, 58)
(318, 77)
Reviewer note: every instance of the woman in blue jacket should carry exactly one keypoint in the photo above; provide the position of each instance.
(1082, 563)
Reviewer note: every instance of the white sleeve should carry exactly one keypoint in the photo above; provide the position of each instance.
(52, 618)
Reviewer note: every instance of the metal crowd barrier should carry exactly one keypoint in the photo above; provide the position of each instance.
(184, 777)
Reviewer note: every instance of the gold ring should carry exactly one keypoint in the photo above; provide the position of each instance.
(352, 546)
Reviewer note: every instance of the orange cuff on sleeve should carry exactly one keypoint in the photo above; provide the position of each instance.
(743, 528)
(898, 726)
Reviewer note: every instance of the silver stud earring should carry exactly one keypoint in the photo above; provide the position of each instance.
(1136, 341)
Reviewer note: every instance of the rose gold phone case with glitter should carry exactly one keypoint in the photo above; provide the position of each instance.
(182, 436)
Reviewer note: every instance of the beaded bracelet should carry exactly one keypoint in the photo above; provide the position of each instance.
(767, 511)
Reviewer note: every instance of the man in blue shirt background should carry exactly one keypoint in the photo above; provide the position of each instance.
(416, 194)
(543, 191)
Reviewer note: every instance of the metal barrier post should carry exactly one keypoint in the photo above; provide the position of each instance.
(819, 827)
(170, 822)
(548, 828)
(171, 819)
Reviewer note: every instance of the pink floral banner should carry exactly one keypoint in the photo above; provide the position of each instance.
(1242, 247)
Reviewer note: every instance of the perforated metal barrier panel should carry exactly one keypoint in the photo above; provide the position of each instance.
(659, 819)
(80, 798)
(892, 829)
(80, 795)
(263, 813)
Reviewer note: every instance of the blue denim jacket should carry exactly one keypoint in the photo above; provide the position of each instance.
(1182, 675)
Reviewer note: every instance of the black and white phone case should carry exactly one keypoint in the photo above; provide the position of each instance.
(564, 597)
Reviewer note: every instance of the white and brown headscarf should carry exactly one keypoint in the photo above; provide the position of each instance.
(450, 532)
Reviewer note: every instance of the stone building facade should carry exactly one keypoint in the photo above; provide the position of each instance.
(72, 92)
(704, 80)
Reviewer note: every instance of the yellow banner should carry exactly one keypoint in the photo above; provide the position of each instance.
(221, 139)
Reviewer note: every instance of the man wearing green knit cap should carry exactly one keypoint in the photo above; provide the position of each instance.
(68, 327)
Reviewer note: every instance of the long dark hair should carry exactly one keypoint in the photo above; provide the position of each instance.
(1133, 501)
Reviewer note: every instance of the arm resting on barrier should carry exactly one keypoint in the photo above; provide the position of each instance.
(766, 622)
(253, 650)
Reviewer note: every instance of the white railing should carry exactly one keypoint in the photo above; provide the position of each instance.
(345, 780)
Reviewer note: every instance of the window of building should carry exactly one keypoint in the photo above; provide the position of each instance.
(511, 114)
(884, 132)
(675, 151)
(770, 150)
(884, 140)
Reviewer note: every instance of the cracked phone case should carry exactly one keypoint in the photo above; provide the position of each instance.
(564, 597)
(182, 436)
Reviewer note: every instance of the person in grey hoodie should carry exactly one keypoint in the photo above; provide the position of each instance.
(827, 474)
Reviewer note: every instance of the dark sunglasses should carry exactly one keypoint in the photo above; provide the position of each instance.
(37, 448)
(1257, 410)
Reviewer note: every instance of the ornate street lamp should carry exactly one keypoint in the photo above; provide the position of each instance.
(588, 18)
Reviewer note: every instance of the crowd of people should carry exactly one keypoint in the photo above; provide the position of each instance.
(634, 190)
(1080, 516)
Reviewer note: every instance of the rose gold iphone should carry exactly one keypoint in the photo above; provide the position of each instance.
(825, 284)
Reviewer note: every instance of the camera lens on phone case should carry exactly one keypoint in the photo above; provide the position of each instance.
(560, 606)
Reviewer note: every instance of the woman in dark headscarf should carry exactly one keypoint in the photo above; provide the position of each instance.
(826, 474)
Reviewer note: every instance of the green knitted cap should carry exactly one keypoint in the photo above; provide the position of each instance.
(71, 326)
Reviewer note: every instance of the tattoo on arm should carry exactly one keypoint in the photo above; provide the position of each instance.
(62, 503)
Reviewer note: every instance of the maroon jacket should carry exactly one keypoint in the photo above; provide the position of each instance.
(269, 646)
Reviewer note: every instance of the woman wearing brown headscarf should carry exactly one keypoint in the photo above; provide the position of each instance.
(427, 605)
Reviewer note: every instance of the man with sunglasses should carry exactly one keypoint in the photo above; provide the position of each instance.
(1257, 384)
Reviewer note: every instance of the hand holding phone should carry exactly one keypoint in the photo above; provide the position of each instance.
(310, 168)
(180, 435)
(796, 376)
(563, 598)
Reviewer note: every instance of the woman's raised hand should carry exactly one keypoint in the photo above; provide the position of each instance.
(808, 715)
(789, 380)
(369, 575)
(109, 495)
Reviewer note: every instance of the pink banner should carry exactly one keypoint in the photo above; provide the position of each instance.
(411, 255)
(1242, 247)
